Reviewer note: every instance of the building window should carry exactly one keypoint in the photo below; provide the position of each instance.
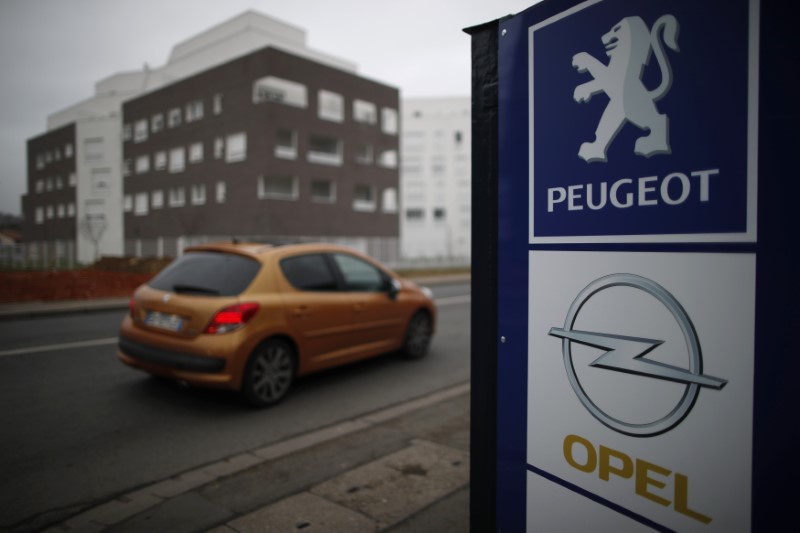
(140, 131)
(58, 154)
(39, 185)
(60, 211)
(49, 212)
(286, 144)
(177, 197)
(157, 122)
(272, 89)
(59, 183)
(93, 150)
(160, 160)
(236, 147)
(415, 213)
(194, 111)
(364, 154)
(48, 184)
(389, 120)
(363, 198)
(277, 188)
(157, 199)
(140, 206)
(198, 194)
(68, 150)
(101, 180)
(324, 150)
(174, 117)
(142, 164)
(219, 148)
(221, 192)
(364, 112)
(439, 213)
(196, 152)
(39, 215)
(389, 200)
(48, 157)
(388, 159)
(127, 132)
(127, 203)
(73, 179)
(217, 103)
(330, 106)
(71, 209)
(177, 159)
(323, 191)
(127, 165)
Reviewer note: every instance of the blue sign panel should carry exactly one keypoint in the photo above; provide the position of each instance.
(637, 122)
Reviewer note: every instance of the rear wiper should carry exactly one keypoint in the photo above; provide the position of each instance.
(182, 289)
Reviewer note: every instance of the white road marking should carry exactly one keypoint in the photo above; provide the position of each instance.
(453, 300)
(59, 346)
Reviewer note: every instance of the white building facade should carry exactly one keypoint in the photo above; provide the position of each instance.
(435, 177)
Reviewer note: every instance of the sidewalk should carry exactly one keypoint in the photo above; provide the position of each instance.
(403, 469)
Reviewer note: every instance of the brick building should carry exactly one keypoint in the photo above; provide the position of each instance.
(270, 147)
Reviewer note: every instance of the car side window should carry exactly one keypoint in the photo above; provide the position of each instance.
(309, 272)
(360, 275)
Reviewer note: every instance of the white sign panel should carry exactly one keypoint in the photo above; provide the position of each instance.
(640, 389)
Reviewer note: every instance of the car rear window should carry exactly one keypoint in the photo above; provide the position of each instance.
(208, 274)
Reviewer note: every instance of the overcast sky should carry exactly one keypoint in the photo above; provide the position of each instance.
(53, 51)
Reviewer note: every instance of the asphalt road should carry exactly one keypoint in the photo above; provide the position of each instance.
(79, 428)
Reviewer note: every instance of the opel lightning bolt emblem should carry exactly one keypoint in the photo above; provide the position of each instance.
(628, 354)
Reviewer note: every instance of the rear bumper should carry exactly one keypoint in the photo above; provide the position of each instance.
(170, 359)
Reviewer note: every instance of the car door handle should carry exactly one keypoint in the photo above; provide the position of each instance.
(301, 311)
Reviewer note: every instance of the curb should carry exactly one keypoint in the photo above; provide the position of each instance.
(132, 503)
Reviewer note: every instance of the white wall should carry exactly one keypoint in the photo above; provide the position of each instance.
(92, 199)
(436, 174)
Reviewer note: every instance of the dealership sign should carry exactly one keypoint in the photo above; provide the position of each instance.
(638, 156)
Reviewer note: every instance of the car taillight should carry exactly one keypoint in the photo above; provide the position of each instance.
(232, 318)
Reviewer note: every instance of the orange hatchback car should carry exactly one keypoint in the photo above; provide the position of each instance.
(252, 317)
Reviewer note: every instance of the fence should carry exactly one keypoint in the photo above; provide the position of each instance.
(38, 255)
(61, 254)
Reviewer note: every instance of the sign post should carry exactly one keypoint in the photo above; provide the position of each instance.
(645, 302)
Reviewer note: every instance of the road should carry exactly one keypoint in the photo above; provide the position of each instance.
(79, 428)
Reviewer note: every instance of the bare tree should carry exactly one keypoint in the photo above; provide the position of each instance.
(93, 226)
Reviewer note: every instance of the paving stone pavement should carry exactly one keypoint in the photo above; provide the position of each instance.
(402, 469)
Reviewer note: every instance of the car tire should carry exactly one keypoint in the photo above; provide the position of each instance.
(269, 373)
(418, 336)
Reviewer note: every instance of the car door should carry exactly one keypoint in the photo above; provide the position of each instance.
(317, 310)
(378, 319)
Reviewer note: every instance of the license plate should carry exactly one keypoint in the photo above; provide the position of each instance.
(163, 321)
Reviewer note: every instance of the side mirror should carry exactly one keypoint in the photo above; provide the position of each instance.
(394, 288)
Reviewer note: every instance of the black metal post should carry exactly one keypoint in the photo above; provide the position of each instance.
(484, 276)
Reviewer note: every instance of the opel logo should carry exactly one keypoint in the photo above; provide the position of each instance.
(628, 354)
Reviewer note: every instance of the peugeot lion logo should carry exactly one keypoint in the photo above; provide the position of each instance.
(629, 44)
(628, 355)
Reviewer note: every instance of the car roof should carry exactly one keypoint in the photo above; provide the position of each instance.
(261, 251)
